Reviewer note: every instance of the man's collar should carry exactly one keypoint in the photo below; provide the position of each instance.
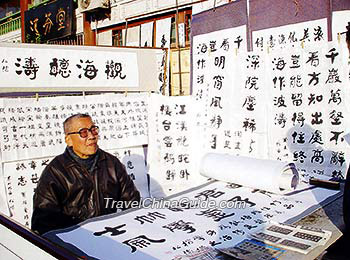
(71, 162)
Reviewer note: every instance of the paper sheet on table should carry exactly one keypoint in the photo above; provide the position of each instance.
(273, 176)
(165, 233)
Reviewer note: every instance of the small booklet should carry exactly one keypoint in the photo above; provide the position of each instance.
(298, 238)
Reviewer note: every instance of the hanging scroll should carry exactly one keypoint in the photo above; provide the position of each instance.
(172, 153)
(340, 25)
(133, 36)
(34, 128)
(296, 88)
(21, 178)
(249, 98)
(214, 73)
(147, 34)
(163, 28)
(134, 161)
(340, 20)
(307, 109)
(293, 35)
(162, 76)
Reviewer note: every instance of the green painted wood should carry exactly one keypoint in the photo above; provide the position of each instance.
(10, 26)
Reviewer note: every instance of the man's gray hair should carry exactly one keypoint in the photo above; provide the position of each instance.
(68, 122)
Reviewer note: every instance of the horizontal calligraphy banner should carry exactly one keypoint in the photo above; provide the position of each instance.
(26, 67)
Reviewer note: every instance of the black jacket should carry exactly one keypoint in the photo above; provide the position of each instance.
(68, 194)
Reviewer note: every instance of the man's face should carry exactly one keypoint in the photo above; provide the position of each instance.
(83, 147)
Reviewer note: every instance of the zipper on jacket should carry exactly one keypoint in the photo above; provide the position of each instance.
(96, 193)
(93, 179)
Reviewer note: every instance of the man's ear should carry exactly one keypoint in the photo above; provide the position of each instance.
(68, 140)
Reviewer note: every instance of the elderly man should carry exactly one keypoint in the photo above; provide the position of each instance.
(74, 186)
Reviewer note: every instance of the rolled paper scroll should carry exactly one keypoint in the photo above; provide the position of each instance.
(269, 175)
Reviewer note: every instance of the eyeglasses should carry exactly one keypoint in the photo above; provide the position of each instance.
(84, 132)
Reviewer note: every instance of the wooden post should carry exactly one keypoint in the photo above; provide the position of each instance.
(23, 7)
(89, 35)
(178, 46)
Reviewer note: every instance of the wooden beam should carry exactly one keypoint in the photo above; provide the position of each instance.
(89, 35)
(23, 7)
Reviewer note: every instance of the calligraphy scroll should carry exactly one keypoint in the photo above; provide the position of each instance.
(182, 34)
(28, 66)
(268, 175)
(214, 79)
(294, 35)
(249, 98)
(340, 21)
(21, 179)
(297, 87)
(308, 108)
(147, 34)
(183, 226)
(173, 151)
(163, 28)
(34, 129)
(133, 36)
(163, 79)
(134, 161)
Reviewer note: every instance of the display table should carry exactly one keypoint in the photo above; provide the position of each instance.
(16, 240)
